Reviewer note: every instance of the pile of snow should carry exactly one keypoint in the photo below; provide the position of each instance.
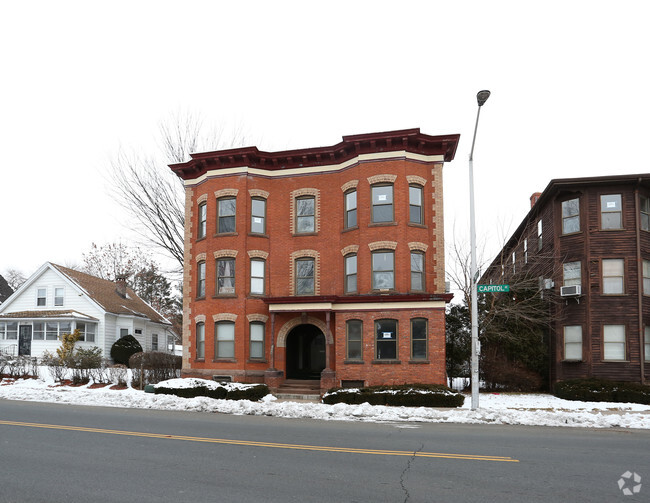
(193, 382)
(523, 409)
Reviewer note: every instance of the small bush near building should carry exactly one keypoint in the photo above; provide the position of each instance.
(154, 367)
(192, 387)
(415, 395)
(123, 348)
(602, 390)
(83, 364)
(18, 367)
(117, 374)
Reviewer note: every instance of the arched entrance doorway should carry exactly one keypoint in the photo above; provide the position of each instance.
(305, 352)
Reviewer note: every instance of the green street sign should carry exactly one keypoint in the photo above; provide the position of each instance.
(493, 288)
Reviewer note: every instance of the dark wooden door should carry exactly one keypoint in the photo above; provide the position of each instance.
(25, 340)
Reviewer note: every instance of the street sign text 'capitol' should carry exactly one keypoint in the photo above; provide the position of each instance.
(493, 288)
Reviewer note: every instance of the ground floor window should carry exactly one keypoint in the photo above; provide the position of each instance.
(154, 342)
(256, 350)
(386, 339)
(614, 342)
(354, 329)
(419, 339)
(225, 336)
(87, 331)
(200, 340)
(573, 342)
(647, 344)
(9, 330)
(54, 330)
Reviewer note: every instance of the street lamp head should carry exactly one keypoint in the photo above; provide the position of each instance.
(482, 97)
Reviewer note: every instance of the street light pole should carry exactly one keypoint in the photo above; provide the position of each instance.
(481, 98)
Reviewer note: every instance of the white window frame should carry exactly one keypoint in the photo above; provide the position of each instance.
(351, 272)
(375, 272)
(379, 202)
(224, 340)
(62, 296)
(610, 275)
(255, 279)
(614, 343)
(39, 297)
(605, 209)
(573, 342)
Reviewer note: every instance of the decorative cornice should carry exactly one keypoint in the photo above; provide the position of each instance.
(258, 254)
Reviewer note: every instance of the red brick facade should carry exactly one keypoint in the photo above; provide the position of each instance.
(268, 238)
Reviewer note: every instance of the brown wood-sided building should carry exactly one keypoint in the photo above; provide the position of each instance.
(589, 239)
(324, 264)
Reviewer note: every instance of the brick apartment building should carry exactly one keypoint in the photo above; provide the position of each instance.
(322, 264)
(589, 239)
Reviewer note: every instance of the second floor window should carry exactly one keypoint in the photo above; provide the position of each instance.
(539, 235)
(571, 216)
(611, 216)
(350, 209)
(305, 215)
(645, 213)
(417, 271)
(415, 204)
(383, 270)
(613, 276)
(257, 277)
(258, 216)
(203, 218)
(382, 203)
(58, 296)
(41, 297)
(225, 276)
(227, 208)
(572, 274)
(350, 273)
(200, 279)
(305, 276)
(525, 250)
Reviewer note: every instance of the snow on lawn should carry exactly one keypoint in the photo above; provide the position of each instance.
(524, 409)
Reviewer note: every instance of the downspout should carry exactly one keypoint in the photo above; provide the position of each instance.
(639, 273)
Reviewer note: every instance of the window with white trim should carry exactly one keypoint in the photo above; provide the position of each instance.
(41, 297)
(646, 277)
(573, 342)
(614, 342)
(39, 331)
(202, 221)
(646, 333)
(225, 339)
(59, 294)
(86, 331)
(257, 276)
(256, 348)
(9, 330)
(200, 279)
(644, 204)
(154, 342)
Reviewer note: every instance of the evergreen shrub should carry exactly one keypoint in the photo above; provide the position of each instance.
(408, 395)
(191, 388)
(602, 390)
(123, 348)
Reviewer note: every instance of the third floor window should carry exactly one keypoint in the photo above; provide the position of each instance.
(611, 215)
(382, 203)
(258, 216)
(227, 208)
(645, 213)
(415, 204)
(305, 214)
(350, 209)
(571, 216)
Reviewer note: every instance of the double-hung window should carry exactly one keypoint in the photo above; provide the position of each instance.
(645, 213)
(200, 340)
(417, 271)
(646, 333)
(611, 215)
(86, 331)
(415, 204)
(540, 243)
(39, 331)
(418, 339)
(350, 273)
(256, 348)
(354, 330)
(382, 203)
(573, 342)
(386, 339)
(225, 276)
(383, 270)
(9, 330)
(225, 339)
(613, 283)
(41, 297)
(613, 342)
(572, 274)
(258, 215)
(154, 342)
(646, 277)
(227, 207)
(571, 216)
(203, 219)
(257, 276)
(59, 293)
(305, 276)
(350, 209)
(305, 214)
(200, 279)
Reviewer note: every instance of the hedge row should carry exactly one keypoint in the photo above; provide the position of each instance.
(223, 392)
(415, 395)
(153, 367)
(601, 390)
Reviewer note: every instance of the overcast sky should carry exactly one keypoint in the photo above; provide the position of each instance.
(569, 83)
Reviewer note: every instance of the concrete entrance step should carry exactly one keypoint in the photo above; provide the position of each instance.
(297, 397)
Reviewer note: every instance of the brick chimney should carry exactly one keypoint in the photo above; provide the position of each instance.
(534, 198)
(120, 283)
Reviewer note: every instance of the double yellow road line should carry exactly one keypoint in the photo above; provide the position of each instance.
(273, 445)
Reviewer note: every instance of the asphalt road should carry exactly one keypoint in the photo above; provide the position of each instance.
(62, 453)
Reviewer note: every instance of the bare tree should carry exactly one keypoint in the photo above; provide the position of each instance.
(14, 278)
(115, 259)
(149, 191)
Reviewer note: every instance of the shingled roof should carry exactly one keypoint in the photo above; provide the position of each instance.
(104, 292)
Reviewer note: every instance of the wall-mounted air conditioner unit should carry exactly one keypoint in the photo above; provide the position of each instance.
(570, 291)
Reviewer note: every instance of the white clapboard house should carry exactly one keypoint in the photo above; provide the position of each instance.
(56, 300)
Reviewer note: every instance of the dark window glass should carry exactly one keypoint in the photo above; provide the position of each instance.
(226, 276)
(305, 211)
(415, 204)
(354, 331)
(227, 210)
(571, 216)
(610, 212)
(305, 276)
(386, 337)
(419, 339)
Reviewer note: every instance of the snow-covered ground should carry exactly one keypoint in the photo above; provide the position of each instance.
(525, 409)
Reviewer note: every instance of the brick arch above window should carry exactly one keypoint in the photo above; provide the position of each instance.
(225, 253)
(281, 341)
(352, 184)
(262, 318)
(226, 193)
(258, 254)
(416, 180)
(382, 245)
(224, 317)
(201, 257)
(372, 180)
(202, 199)
(258, 193)
(199, 318)
(350, 249)
(415, 246)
